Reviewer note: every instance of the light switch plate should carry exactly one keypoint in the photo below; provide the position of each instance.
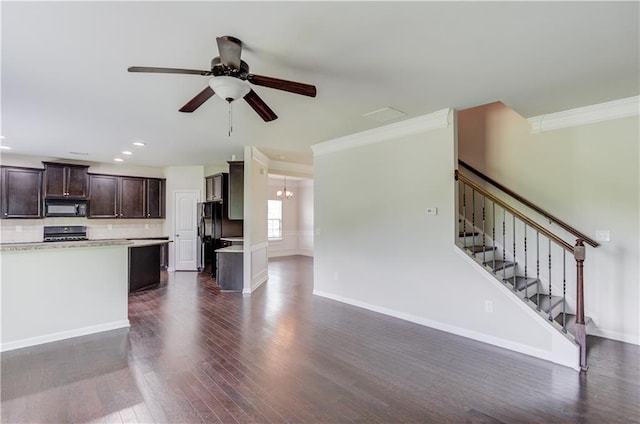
(432, 211)
(603, 235)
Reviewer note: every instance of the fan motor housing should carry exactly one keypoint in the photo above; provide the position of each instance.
(219, 69)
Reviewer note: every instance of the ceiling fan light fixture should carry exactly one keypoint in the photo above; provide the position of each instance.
(229, 88)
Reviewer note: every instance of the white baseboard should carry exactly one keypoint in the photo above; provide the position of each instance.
(62, 335)
(615, 335)
(291, 252)
(470, 334)
(256, 284)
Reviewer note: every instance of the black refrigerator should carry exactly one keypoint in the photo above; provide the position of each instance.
(214, 224)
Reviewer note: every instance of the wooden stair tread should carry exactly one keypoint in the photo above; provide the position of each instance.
(522, 282)
(480, 249)
(546, 304)
(571, 322)
(498, 264)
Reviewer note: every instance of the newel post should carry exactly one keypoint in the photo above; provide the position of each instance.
(580, 328)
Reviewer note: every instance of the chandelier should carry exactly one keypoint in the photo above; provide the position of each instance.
(284, 193)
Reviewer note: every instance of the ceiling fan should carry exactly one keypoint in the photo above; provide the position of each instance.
(229, 80)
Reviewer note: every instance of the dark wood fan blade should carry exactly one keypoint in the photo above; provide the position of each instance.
(230, 49)
(168, 70)
(260, 106)
(278, 84)
(197, 101)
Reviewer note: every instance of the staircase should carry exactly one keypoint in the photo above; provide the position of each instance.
(535, 263)
(530, 290)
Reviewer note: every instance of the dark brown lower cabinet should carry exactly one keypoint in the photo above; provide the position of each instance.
(144, 267)
(229, 271)
(21, 195)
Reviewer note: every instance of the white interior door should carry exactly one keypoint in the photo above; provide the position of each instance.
(185, 242)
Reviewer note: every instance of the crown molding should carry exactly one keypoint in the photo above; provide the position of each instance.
(291, 167)
(616, 109)
(424, 123)
(259, 157)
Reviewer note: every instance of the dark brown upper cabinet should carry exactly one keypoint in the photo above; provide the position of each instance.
(126, 197)
(132, 197)
(21, 192)
(214, 187)
(155, 198)
(103, 191)
(235, 201)
(65, 181)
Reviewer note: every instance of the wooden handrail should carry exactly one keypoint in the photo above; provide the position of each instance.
(566, 246)
(526, 202)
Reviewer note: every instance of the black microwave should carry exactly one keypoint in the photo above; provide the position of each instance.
(62, 207)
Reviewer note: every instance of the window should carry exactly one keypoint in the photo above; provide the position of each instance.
(274, 219)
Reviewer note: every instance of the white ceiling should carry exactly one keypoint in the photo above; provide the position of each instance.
(65, 85)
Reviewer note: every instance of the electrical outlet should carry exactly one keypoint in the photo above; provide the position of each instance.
(432, 211)
(336, 276)
(318, 231)
(488, 306)
(146, 226)
(109, 227)
(18, 228)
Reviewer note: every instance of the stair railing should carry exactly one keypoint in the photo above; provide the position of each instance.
(542, 301)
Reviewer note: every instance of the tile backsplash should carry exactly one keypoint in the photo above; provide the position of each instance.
(30, 230)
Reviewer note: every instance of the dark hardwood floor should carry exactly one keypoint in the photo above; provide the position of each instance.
(283, 355)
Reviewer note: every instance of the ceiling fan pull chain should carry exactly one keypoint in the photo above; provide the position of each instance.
(230, 119)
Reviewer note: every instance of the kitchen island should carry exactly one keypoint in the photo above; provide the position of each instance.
(145, 263)
(229, 272)
(58, 290)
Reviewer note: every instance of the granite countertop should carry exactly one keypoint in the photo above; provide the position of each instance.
(232, 239)
(147, 242)
(231, 249)
(9, 247)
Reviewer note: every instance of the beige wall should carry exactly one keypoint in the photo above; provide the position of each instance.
(586, 175)
(376, 247)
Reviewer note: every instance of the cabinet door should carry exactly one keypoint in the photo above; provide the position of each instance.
(235, 203)
(103, 202)
(208, 189)
(76, 182)
(218, 186)
(21, 193)
(54, 180)
(65, 181)
(155, 198)
(132, 197)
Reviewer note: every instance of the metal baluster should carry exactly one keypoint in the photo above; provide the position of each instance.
(550, 317)
(564, 290)
(473, 222)
(526, 285)
(484, 243)
(538, 284)
(464, 215)
(493, 234)
(504, 244)
(514, 251)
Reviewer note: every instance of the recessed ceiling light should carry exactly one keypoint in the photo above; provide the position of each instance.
(79, 153)
(127, 152)
(118, 159)
(5, 147)
(139, 143)
(2, 137)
